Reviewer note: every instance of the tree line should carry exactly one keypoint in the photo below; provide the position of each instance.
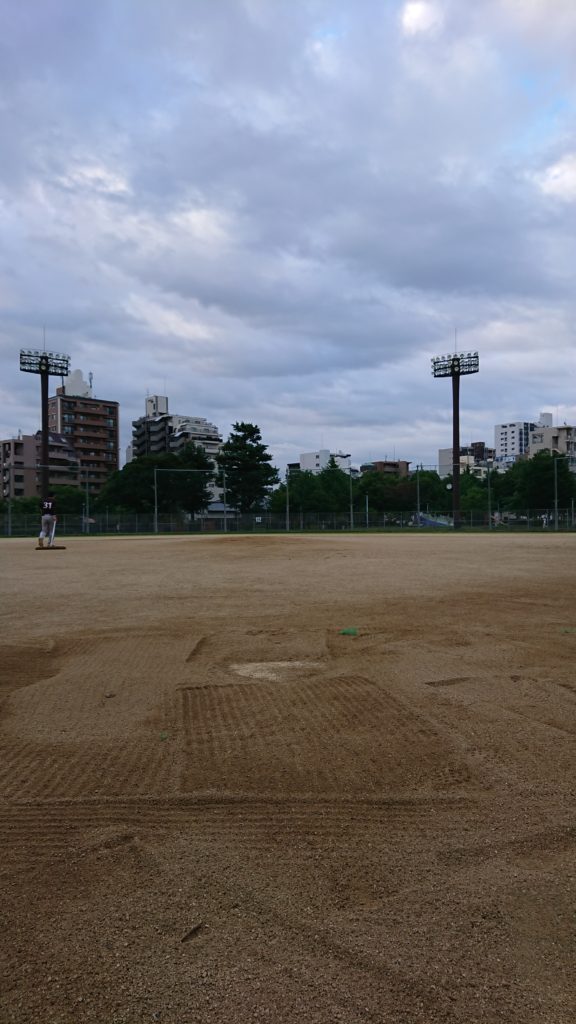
(244, 464)
(180, 482)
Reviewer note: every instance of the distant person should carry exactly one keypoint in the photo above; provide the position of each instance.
(49, 520)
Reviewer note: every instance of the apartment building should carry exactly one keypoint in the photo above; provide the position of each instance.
(20, 459)
(512, 440)
(91, 426)
(554, 439)
(160, 431)
(18, 466)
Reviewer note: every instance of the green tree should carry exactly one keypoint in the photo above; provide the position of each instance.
(69, 500)
(131, 489)
(529, 483)
(303, 493)
(433, 493)
(26, 506)
(333, 489)
(246, 462)
(378, 488)
(473, 494)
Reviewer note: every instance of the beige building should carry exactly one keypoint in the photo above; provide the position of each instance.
(390, 467)
(20, 459)
(91, 426)
(554, 439)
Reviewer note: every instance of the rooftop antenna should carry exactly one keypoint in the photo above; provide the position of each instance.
(90, 379)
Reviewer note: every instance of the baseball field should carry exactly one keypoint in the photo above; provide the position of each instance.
(289, 779)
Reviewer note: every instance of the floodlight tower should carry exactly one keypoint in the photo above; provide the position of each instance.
(47, 364)
(455, 366)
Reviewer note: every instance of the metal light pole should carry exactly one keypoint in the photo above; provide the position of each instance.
(46, 364)
(489, 496)
(554, 456)
(10, 486)
(87, 504)
(287, 500)
(351, 500)
(455, 366)
(418, 496)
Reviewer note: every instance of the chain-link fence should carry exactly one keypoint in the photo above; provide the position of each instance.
(296, 522)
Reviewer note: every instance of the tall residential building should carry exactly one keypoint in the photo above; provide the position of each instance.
(91, 426)
(159, 431)
(512, 440)
(20, 459)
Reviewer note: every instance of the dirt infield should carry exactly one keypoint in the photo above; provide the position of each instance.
(215, 808)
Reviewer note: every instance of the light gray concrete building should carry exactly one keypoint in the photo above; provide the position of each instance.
(160, 431)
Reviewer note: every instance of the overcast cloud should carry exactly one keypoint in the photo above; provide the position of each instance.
(280, 210)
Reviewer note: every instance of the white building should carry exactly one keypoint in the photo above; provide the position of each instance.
(512, 440)
(445, 463)
(315, 462)
(159, 431)
(474, 458)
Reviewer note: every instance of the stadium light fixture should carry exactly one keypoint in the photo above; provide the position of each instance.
(455, 365)
(53, 363)
(46, 364)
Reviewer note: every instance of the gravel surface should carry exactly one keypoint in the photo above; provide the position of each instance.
(218, 808)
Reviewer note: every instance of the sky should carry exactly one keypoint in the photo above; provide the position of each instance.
(278, 211)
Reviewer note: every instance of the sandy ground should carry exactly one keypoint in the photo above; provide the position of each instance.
(215, 807)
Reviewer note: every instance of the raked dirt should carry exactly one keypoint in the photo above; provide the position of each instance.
(217, 808)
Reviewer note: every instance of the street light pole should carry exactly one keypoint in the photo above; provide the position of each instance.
(287, 500)
(351, 500)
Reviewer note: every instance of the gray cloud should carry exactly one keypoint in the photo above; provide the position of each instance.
(279, 212)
